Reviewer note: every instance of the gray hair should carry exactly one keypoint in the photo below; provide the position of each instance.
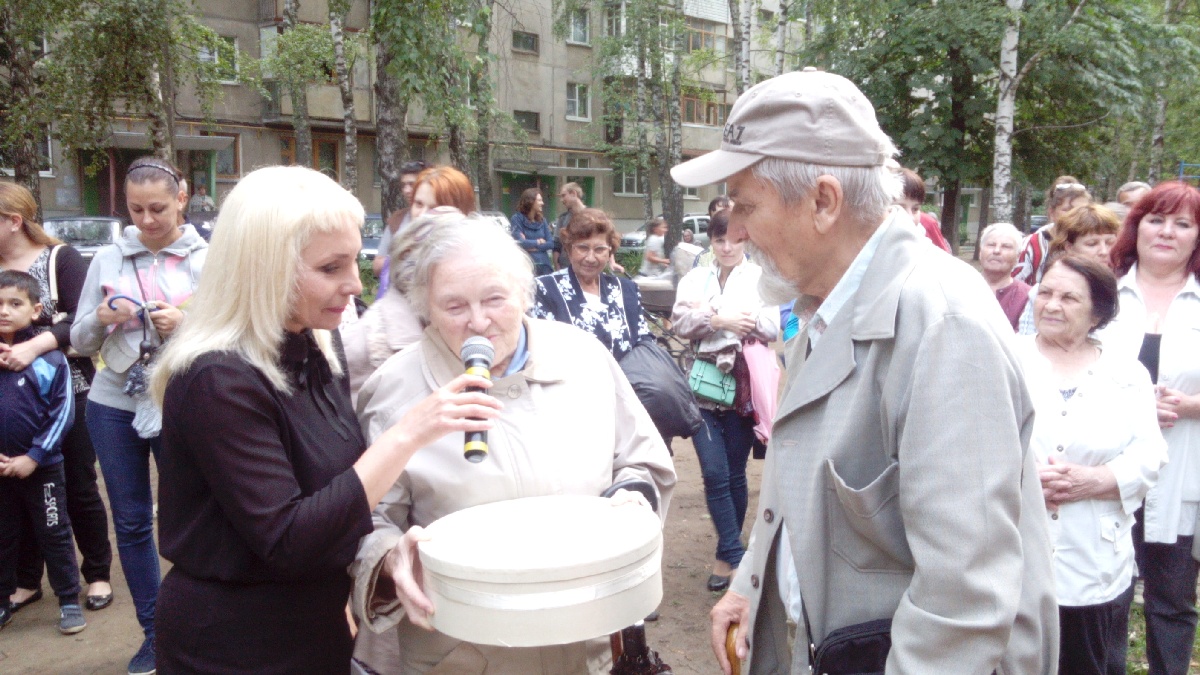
(458, 235)
(1003, 230)
(868, 191)
(1133, 185)
(402, 261)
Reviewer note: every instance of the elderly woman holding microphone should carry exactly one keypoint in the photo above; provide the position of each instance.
(570, 424)
(1099, 450)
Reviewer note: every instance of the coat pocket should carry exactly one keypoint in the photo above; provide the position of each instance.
(865, 525)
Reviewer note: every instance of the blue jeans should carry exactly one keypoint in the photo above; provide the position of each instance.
(723, 447)
(125, 463)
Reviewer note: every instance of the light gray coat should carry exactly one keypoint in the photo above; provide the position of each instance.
(900, 464)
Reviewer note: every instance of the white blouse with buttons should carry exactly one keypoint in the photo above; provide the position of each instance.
(1110, 420)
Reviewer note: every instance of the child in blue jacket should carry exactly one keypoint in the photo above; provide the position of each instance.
(35, 415)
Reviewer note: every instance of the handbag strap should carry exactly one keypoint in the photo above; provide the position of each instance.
(53, 273)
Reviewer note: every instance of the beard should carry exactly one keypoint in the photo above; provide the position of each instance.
(773, 287)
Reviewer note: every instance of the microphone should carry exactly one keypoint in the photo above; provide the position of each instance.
(477, 354)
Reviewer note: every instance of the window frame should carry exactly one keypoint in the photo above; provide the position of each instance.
(236, 146)
(9, 172)
(537, 117)
(573, 23)
(586, 100)
(537, 42)
(204, 56)
(621, 180)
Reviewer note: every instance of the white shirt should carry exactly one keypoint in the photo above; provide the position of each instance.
(1171, 506)
(816, 321)
(1110, 420)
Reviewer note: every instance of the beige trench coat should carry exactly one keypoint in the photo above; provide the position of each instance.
(571, 425)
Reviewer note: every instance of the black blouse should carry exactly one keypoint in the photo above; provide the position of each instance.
(256, 485)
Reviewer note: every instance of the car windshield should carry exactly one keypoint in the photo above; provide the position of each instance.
(82, 232)
(372, 227)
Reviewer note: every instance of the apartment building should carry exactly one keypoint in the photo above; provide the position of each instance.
(546, 82)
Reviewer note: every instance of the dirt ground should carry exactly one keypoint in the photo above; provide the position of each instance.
(32, 645)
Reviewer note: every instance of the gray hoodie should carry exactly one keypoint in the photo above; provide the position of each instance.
(168, 276)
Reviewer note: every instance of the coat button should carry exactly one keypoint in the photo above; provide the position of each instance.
(1064, 413)
(769, 516)
(1053, 516)
(754, 580)
(514, 391)
(1060, 448)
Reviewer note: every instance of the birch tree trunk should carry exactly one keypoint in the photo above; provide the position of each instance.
(739, 37)
(642, 118)
(781, 36)
(298, 94)
(747, 38)
(391, 135)
(481, 81)
(1006, 102)
(670, 134)
(337, 14)
(1158, 134)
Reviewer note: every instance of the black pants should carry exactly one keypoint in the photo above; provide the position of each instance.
(43, 496)
(89, 518)
(1088, 634)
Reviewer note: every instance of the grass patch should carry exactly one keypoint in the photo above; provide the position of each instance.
(1135, 660)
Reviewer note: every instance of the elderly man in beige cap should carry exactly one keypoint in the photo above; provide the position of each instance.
(900, 501)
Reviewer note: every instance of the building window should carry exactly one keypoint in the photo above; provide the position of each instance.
(229, 165)
(705, 35)
(691, 193)
(614, 19)
(578, 162)
(580, 29)
(700, 111)
(325, 157)
(578, 105)
(45, 159)
(529, 121)
(223, 59)
(631, 183)
(525, 42)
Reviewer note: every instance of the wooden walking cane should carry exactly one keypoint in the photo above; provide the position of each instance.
(731, 649)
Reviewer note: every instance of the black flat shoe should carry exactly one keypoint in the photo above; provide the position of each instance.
(96, 603)
(717, 583)
(14, 607)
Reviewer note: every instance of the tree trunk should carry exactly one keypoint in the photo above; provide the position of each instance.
(22, 151)
(298, 93)
(670, 144)
(391, 135)
(808, 22)
(1006, 101)
(950, 213)
(162, 137)
(748, 37)
(643, 117)
(481, 80)
(984, 202)
(457, 145)
(781, 36)
(349, 124)
(735, 20)
(1020, 207)
(960, 92)
(1158, 134)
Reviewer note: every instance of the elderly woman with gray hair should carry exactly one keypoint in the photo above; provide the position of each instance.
(471, 279)
(998, 248)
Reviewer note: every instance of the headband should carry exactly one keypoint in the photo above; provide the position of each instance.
(153, 165)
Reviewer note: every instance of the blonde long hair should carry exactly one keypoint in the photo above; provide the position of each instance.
(248, 287)
(17, 200)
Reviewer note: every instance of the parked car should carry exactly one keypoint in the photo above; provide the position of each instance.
(87, 234)
(696, 222)
(1036, 222)
(498, 218)
(372, 230)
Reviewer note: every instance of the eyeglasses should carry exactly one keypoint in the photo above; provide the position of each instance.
(584, 250)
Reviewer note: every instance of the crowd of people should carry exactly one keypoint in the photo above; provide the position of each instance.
(967, 471)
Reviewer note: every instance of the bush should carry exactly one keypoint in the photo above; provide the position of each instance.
(630, 260)
(369, 283)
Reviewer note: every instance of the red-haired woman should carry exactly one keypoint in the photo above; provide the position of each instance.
(532, 232)
(1158, 263)
(436, 186)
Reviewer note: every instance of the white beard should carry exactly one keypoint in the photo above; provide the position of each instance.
(774, 288)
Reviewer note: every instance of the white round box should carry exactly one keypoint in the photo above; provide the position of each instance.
(542, 570)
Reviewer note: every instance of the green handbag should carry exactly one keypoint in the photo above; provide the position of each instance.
(709, 383)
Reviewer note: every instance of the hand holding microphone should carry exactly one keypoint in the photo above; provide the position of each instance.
(477, 353)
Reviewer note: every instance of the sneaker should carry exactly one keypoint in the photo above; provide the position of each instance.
(145, 661)
(70, 619)
(5, 616)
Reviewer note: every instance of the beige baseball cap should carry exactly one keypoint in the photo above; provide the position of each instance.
(806, 116)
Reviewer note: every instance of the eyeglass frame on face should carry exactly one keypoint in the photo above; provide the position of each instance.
(585, 250)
